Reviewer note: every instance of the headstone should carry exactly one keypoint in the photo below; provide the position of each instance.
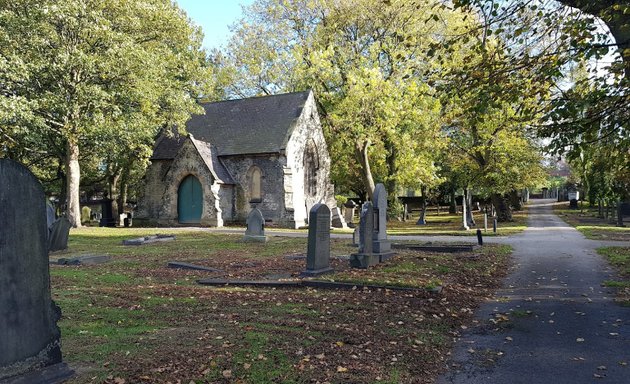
(50, 215)
(337, 218)
(365, 257)
(355, 237)
(30, 349)
(381, 245)
(318, 251)
(86, 215)
(349, 207)
(59, 231)
(255, 231)
(107, 213)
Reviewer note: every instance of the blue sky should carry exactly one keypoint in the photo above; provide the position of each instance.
(214, 17)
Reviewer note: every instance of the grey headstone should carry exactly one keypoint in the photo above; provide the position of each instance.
(318, 252)
(29, 336)
(381, 244)
(255, 227)
(50, 215)
(365, 257)
(59, 232)
(337, 220)
(349, 207)
(366, 228)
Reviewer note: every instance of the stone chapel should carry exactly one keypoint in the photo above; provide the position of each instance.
(264, 152)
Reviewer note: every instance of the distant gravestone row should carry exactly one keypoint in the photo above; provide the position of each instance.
(30, 349)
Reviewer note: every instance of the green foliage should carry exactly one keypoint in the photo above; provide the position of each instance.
(370, 66)
(103, 75)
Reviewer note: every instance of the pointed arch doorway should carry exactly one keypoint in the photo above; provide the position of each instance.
(189, 201)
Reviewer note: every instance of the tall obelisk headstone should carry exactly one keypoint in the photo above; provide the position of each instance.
(30, 350)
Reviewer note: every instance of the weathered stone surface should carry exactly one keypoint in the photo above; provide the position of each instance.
(318, 252)
(149, 239)
(29, 336)
(337, 220)
(59, 232)
(255, 231)
(381, 244)
(365, 257)
(84, 260)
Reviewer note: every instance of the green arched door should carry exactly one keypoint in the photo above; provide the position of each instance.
(189, 200)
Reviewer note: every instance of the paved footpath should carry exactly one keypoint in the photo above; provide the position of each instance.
(552, 322)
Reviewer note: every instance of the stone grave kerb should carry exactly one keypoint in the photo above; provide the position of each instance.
(318, 251)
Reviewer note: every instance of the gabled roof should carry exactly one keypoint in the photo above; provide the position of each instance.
(238, 127)
(209, 155)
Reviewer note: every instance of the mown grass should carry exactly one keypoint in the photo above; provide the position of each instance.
(135, 319)
(587, 221)
(619, 258)
(446, 224)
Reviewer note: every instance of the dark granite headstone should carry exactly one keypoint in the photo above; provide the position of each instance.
(59, 231)
(107, 213)
(255, 227)
(318, 253)
(381, 245)
(365, 257)
(30, 348)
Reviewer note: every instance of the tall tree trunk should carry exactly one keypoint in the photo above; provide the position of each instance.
(361, 152)
(73, 179)
(515, 200)
(122, 189)
(452, 208)
(422, 220)
(113, 191)
(503, 210)
(469, 212)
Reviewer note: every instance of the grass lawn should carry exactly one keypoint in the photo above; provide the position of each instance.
(586, 221)
(134, 320)
(619, 257)
(449, 224)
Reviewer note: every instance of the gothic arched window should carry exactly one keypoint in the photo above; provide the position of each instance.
(255, 184)
(311, 165)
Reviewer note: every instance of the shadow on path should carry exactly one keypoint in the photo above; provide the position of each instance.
(553, 322)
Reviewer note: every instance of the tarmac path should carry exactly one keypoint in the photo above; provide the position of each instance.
(552, 322)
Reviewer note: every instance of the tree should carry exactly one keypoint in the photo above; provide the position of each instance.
(370, 65)
(90, 70)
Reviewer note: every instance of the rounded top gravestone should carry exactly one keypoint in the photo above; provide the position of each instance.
(29, 337)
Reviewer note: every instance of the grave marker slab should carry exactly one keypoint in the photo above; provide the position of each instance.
(318, 251)
(381, 245)
(30, 349)
(59, 231)
(365, 257)
(255, 231)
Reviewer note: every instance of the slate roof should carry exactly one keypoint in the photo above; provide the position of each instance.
(209, 155)
(238, 127)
